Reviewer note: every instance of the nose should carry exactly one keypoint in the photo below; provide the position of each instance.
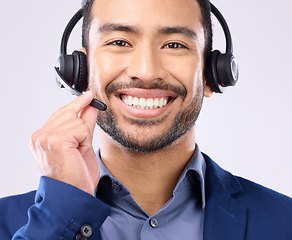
(146, 64)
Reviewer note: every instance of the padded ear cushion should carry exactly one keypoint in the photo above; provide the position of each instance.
(66, 68)
(80, 72)
(211, 71)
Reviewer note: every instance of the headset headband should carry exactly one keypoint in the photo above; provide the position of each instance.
(75, 19)
(223, 23)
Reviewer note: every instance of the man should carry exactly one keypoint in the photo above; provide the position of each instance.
(149, 179)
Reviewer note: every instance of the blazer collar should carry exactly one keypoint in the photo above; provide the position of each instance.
(225, 218)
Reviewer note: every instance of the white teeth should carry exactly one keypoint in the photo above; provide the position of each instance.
(130, 100)
(150, 102)
(161, 102)
(136, 101)
(144, 103)
(156, 102)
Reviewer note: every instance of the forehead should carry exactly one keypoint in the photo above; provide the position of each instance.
(148, 14)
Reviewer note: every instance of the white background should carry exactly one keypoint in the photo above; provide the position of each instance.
(247, 130)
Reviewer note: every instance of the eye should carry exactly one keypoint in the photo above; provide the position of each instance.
(175, 45)
(119, 43)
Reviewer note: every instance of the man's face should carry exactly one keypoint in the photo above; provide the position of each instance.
(146, 63)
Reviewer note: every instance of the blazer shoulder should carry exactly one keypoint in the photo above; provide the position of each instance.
(267, 209)
(242, 188)
(264, 196)
(235, 203)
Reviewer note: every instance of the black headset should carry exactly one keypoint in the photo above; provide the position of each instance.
(221, 70)
(72, 72)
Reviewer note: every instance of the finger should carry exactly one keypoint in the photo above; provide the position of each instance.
(80, 102)
(89, 116)
(73, 108)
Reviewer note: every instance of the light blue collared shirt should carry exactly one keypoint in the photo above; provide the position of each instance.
(182, 217)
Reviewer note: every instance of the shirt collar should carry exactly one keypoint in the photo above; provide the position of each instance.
(102, 168)
(196, 165)
(110, 185)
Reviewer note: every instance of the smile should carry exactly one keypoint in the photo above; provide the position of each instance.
(144, 103)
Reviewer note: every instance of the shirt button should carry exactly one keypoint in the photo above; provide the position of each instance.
(79, 237)
(86, 231)
(153, 222)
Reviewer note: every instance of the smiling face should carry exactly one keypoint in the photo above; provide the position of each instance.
(146, 63)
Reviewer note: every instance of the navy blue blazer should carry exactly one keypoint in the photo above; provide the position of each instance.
(236, 209)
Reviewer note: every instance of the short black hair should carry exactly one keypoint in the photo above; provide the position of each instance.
(87, 18)
(206, 22)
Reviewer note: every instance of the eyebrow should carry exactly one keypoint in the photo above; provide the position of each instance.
(111, 27)
(178, 30)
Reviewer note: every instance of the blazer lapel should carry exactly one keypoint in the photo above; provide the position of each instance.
(225, 218)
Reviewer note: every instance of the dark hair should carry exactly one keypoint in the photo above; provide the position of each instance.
(207, 24)
(87, 18)
(206, 21)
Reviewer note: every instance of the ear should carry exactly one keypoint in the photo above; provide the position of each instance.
(83, 50)
(207, 90)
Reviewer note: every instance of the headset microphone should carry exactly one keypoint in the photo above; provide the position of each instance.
(62, 83)
(71, 70)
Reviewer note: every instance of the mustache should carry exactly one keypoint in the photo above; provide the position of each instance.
(113, 87)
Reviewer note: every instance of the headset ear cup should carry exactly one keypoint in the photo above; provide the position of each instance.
(211, 72)
(66, 68)
(227, 69)
(80, 79)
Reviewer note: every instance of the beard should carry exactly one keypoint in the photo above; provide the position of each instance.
(182, 123)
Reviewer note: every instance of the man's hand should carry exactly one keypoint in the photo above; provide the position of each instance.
(63, 146)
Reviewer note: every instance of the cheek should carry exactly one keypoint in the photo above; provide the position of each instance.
(108, 65)
(95, 82)
(188, 72)
(198, 80)
(104, 68)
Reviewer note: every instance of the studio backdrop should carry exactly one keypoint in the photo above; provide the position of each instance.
(247, 130)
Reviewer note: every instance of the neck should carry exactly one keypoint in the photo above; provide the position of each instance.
(157, 172)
